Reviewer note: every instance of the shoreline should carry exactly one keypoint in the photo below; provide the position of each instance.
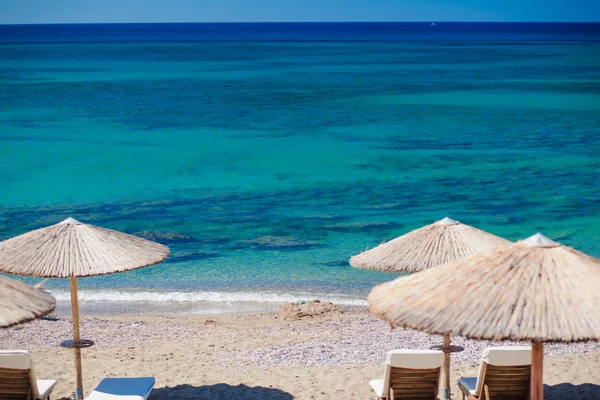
(147, 308)
(257, 356)
(101, 302)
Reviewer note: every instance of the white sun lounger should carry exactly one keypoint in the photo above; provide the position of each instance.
(504, 372)
(123, 389)
(17, 377)
(410, 374)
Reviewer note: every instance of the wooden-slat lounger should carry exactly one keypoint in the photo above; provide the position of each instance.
(410, 374)
(17, 378)
(504, 374)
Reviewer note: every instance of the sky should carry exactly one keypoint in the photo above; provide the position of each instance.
(78, 11)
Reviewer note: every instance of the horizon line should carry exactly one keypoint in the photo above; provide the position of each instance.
(298, 22)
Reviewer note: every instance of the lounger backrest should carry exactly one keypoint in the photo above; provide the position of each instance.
(505, 373)
(17, 378)
(412, 374)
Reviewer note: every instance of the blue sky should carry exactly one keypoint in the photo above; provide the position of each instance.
(61, 11)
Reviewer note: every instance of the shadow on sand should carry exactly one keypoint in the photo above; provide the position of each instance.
(567, 391)
(218, 392)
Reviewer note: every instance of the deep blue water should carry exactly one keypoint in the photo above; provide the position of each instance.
(265, 155)
(319, 31)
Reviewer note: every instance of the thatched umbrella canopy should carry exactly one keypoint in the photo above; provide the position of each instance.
(21, 303)
(71, 249)
(536, 290)
(74, 249)
(427, 247)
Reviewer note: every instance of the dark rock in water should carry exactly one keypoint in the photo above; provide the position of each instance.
(341, 263)
(307, 308)
(191, 255)
(324, 217)
(280, 243)
(360, 226)
(165, 237)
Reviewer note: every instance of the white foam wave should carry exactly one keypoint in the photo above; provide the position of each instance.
(216, 297)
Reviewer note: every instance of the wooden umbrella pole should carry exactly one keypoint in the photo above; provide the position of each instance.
(446, 394)
(76, 338)
(537, 371)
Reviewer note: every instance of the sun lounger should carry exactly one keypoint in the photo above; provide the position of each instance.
(123, 389)
(17, 377)
(410, 374)
(504, 373)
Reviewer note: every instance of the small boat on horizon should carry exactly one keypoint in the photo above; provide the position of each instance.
(432, 24)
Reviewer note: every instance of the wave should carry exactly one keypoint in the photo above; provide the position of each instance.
(208, 296)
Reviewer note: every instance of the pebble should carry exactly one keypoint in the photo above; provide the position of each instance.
(355, 339)
(364, 340)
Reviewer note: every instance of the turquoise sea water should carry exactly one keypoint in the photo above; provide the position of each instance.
(266, 156)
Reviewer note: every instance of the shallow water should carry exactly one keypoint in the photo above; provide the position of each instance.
(265, 157)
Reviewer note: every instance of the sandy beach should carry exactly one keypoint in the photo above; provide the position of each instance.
(257, 356)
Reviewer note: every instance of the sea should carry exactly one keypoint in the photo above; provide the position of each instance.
(265, 155)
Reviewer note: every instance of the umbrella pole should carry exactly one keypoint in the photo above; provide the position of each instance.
(76, 338)
(537, 371)
(446, 395)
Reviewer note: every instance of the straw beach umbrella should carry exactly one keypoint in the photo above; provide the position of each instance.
(21, 303)
(536, 290)
(71, 249)
(427, 247)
